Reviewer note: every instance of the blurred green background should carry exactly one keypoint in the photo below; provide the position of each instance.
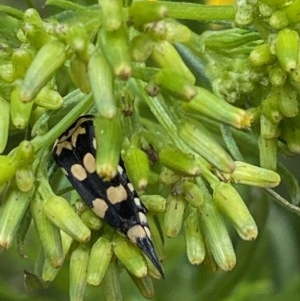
(267, 269)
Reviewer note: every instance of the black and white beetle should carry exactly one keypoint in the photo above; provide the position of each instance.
(115, 201)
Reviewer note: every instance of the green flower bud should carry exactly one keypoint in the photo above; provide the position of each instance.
(12, 211)
(25, 178)
(115, 46)
(21, 60)
(195, 247)
(91, 219)
(78, 272)
(130, 256)
(111, 283)
(145, 286)
(58, 210)
(291, 135)
(79, 72)
(292, 11)
(217, 237)
(19, 111)
(137, 167)
(270, 107)
(277, 76)
(288, 101)
(49, 272)
(286, 48)
(144, 12)
(216, 108)
(174, 215)
(261, 55)
(111, 14)
(268, 129)
(49, 234)
(279, 19)
(249, 174)
(166, 56)
(231, 204)
(168, 176)
(8, 168)
(7, 72)
(178, 161)
(48, 99)
(268, 153)
(174, 83)
(193, 194)
(49, 58)
(141, 47)
(177, 32)
(100, 257)
(4, 123)
(199, 139)
(108, 134)
(101, 81)
(154, 203)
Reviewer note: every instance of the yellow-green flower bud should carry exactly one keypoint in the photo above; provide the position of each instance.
(145, 286)
(174, 215)
(21, 60)
(193, 194)
(141, 47)
(249, 174)
(108, 134)
(111, 283)
(286, 48)
(48, 233)
(195, 247)
(91, 219)
(58, 210)
(270, 107)
(101, 81)
(175, 84)
(292, 11)
(49, 58)
(268, 153)
(25, 177)
(79, 72)
(78, 272)
(7, 72)
(279, 19)
(19, 111)
(231, 204)
(217, 237)
(179, 161)
(268, 129)
(277, 76)
(141, 12)
(12, 211)
(217, 108)
(288, 101)
(115, 46)
(166, 56)
(8, 167)
(137, 167)
(49, 272)
(100, 257)
(4, 123)
(111, 14)
(177, 32)
(130, 255)
(261, 55)
(154, 203)
(48, 99)
(168, 176)
(200, 140)
(24, 152)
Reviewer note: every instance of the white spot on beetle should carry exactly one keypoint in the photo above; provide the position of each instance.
(137, 202)
(79, 131)
(147, 230)
(130, 187)
(136, 232)
(94, 143)
(60, 146)
(78, 172)
(116, 194)
(120, 169)
(142, 218)
(100, 207)
(89, 162)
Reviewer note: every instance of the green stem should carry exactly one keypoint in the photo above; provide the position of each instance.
(15, 13)
(200, 12)
(67, 5)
